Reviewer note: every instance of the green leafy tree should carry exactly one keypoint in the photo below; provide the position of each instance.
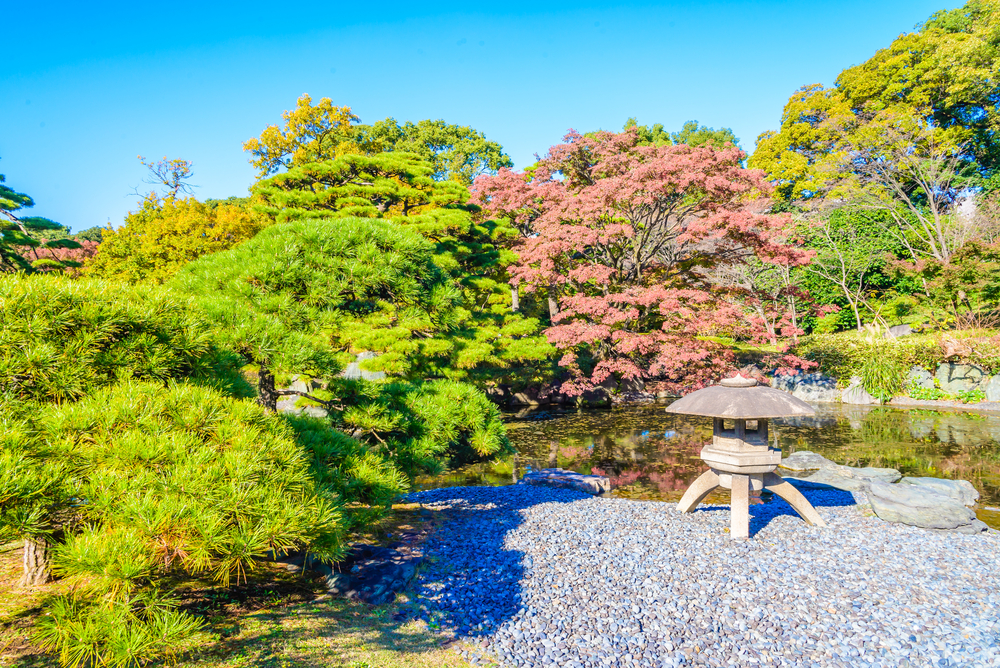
(22, 236)
(321, 132)
(850, 249)
(310, 133)
(457, 153)
(165, 234)
(691, 134)
(966, 289)
(694, 134)
(943, 76)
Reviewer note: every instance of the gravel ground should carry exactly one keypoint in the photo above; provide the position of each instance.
(532, 576)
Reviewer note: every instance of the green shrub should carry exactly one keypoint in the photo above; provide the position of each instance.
(927, 393)
(422, 427)
(883, 372)
(971, 396)
(845, 355)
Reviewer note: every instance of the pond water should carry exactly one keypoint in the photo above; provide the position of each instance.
(651, 454)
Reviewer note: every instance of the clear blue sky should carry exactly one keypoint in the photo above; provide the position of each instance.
(87, 87)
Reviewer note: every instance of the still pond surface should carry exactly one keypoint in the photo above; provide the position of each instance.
(651, 454)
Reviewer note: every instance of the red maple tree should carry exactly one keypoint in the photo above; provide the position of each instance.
(625, 239)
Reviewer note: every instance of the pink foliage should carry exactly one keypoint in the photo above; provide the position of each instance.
(87, 250)
(625, 236)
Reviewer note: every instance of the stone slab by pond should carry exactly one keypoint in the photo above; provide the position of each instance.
(850, 478)
(857, 394)
(954, 378)
(534, 577)
(917, 506)
(909, 402)
(561, 478)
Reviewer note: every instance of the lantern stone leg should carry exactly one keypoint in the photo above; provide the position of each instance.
(778, 485)
(706, 483)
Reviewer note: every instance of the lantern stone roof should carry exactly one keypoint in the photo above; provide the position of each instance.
(740, 398)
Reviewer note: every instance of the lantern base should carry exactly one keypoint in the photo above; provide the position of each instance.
(747, 461)
(740, 485)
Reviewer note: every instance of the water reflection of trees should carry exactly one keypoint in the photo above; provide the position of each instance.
(648, 453)
(916, 442)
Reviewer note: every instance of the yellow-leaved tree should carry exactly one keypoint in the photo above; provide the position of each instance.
(311, 134)
(165, 234)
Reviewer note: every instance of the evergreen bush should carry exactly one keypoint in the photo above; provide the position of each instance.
(61, 339)
(423, 427)
(185, 481)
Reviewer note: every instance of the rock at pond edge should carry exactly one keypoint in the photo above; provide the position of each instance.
(958, 490)
(914, 506)
(591, 484)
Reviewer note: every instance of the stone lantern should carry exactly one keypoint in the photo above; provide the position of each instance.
(739, 457)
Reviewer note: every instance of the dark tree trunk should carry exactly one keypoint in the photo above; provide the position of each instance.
(267, 396)
(553, 304)
(37, 562)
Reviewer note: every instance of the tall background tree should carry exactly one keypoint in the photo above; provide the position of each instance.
(315, 133)
(906, 141)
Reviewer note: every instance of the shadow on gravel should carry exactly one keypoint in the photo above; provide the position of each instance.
(466, 583)
(819, 495)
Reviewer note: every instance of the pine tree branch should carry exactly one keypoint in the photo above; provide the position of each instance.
(326, 404)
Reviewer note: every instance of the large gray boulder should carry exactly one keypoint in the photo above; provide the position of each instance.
(896, 331)
(591, 484)
(955, 378)
(920, 377)
(916, 506)
(992, 389)
(811, 387)
(856, 394)
(958, 490)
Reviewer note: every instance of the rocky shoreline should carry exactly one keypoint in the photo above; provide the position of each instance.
(534, 576)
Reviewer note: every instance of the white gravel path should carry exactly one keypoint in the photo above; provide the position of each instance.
(543, 577)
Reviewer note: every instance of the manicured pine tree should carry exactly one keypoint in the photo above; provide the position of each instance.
(61, 340)
(489, 342)
(305, 297)
(20, 237)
